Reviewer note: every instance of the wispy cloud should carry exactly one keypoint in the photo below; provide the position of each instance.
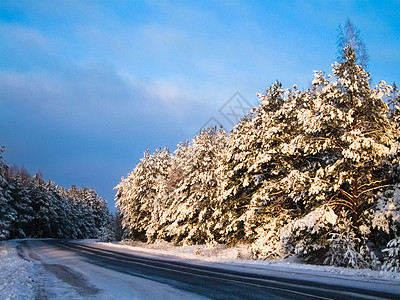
(98, 94)
(15, 36)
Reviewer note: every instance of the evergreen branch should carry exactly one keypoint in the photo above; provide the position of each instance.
(346, 194)
(371, 183)
(343, 203)
(374, 188)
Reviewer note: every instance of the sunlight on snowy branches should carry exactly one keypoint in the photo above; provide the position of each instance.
(310, 173)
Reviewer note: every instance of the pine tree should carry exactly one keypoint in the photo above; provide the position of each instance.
(326, 146)
(42, 224)
(22, 204)
(266, 170)
(392, 255)
(141, 197)
(7, 213)
(347, 136)
(32, 207)
(351, 121)
(350, 36)
(344, 247)
(192, 212)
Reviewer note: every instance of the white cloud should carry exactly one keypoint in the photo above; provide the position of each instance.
(96, 98)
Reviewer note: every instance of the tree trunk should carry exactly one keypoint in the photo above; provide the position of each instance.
(355, 200)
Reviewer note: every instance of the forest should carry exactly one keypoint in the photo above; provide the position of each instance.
(35, 208)
(313, 174)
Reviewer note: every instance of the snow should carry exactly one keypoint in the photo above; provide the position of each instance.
(234, 256)
(21, 278)
(57, 274)
(27, 279)
(16, 274)
(238, 259)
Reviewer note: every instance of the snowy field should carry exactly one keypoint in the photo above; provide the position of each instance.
(34, 278)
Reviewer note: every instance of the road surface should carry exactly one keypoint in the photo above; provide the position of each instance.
(92, 272)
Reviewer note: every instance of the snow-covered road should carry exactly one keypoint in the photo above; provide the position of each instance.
(60, 269)
(40, 269)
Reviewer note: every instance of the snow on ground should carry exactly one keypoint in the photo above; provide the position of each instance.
(239, 259)
(45, 272)
(238, 255)
(212, 253)
(24, 278)
(16, 276)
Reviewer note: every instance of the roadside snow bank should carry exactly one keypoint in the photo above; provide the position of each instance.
(214, 253)
(239, 258)
(16, 276)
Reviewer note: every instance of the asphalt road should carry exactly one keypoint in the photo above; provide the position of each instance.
(210, 282)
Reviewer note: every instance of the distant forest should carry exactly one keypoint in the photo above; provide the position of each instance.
(32, 207)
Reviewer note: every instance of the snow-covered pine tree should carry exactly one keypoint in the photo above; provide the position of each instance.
(238, 186)
(325, 146)
(32, 207)
(386, 215)
(104, 221)
(391, 260)
(47, 220)
(386, 219)
(351, 122)
(142, 196)
(174, 180)
(39, 226)
(74, 206)
(267, 172)
(7, 213)
(344, 246)
(91, 222)
(347, 132)
(158, 198)
(394, 105)
(22, 204)
(87, 213)
(68, 227)
(194, 203)
(83, 202)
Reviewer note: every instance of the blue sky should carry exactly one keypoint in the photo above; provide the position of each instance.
(87, 86)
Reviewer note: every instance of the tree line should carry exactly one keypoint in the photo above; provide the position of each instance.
(35, 208)
(311, 173)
